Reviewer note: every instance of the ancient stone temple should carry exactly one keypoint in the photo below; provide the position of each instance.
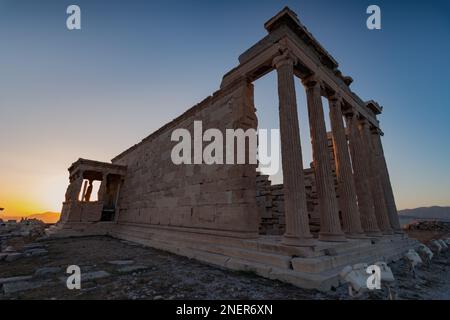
(340, 211)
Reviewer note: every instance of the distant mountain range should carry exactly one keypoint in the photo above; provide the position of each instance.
(424, 213)
(47, 217)
(406, 216)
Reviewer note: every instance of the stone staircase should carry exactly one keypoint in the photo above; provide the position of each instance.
(315, 266)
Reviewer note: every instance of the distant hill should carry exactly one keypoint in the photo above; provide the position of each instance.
(406, 215)
(424, 213)
(47, 217)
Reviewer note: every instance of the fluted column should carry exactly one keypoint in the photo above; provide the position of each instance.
(365, 201)
(330, 225)
(385, 181)
(296, 213)
(351, 219)
(374, 179)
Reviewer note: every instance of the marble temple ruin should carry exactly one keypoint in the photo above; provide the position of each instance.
(340, 211)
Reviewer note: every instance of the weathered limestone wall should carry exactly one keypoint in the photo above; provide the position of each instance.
(88, 212)
(157, 192)
(270, 201)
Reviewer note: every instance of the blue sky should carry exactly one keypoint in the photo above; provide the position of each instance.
(135, 65)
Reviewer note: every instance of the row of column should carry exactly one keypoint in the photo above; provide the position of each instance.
(76, 186)
(363, 194)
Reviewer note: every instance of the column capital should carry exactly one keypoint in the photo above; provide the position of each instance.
(312, 81)
(375, 130)
(287, 57)
(362, 120)
(350, 113)
(336, 97)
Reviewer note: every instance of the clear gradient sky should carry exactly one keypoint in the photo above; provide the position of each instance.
(135, 65)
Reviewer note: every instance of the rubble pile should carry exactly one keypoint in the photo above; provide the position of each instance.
(12, 253)
(23, 228)
(13, 234)
(437, 226)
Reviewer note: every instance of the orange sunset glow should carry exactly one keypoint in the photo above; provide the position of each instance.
(30, 196)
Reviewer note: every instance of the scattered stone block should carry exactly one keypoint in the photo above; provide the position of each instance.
(128, 269)
(355, 276)
(33, 245)
(14, 279)
(425, 253)
(14, 287)
(47, 271)
(443, 244)
(121, 262)
(88, 276)
(94, 275)
(413, 258)
(386, 272)
(9, 249)
(436, 247)
(13, 256)
(36, 252)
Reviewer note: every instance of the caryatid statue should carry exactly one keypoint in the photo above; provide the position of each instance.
(74, 188)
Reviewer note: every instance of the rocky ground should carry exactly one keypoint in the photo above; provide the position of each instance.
(115, 269)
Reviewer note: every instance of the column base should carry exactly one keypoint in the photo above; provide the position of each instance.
(356, 236)
(388, 232)
(289, 240)
(372, 234)
(332, 237)
(401, 235)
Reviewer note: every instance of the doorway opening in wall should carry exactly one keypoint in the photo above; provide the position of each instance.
(110, 197)
(269, 188)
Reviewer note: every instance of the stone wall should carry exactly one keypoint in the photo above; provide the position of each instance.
(213, 198)
(270, 201)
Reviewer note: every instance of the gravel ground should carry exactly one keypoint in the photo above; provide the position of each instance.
(146, 273)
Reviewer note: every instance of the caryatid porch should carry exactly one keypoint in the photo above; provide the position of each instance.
(83, 205)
